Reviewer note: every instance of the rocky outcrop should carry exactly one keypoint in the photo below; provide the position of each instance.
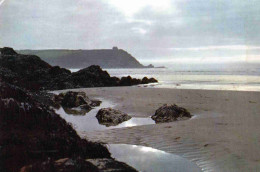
(76, 103)
(64, 165)
(79, 165)
(7, 51)
(30, 72)
(30, 131)
(146, 80)
(170, 113)
(111, 117)
(126, 81)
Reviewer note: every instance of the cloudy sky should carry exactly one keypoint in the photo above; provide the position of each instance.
(198, 31)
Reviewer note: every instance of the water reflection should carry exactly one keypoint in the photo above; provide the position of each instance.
(148, 159)
(89, 121)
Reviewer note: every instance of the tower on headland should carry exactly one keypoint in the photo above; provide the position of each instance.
(115, 48)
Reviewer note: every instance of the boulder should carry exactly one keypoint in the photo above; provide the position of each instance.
(170, 113)
(111, 117)
(76, 103)
(74, 99)
(93, 76)
(146, 80)
(128, 81)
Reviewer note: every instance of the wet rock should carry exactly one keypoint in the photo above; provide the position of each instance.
(31, 130)
(108, 165)
(128, 81)
(169, 113)
(146, 80)
(95, 103)
(111, 117)
(76, 103)
(64, 165)
(74, 99)
(93, 76)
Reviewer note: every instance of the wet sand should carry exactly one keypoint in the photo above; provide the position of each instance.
(224, 134)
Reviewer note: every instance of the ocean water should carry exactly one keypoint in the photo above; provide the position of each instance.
(239, 80)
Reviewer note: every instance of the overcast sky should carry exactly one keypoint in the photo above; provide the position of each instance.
(151, 30)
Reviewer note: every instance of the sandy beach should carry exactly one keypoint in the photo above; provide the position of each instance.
(223, 135)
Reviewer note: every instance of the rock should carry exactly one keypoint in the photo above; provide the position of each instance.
(128, 81)
(64, 165)
(170, 113)
(76, 103)
(150, 66)
(146, 80)
(93, 76)
(30, 72)
(108, 165)
(74, 99)
(111, 117)
(81, 110)
(31, 130)
(95, 103)
(7, 51)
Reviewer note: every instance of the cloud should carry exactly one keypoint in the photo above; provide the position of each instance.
(158, 29)
(228, 47)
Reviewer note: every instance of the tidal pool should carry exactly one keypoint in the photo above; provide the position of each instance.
(147, 159)
(89, 122)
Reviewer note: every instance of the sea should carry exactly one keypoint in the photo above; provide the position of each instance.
(237, 80)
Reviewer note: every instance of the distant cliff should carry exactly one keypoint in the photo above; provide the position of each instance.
(106, 58)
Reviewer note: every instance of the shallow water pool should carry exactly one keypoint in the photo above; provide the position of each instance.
(89, 122)
(151, 160)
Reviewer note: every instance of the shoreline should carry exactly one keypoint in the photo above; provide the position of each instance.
(223, 135)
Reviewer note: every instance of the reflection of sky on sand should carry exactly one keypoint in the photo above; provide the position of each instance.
(149, 159)
(89, 121)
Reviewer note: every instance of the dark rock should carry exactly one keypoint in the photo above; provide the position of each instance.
(31, 130)
(93, 76)
(76, 103)
(64, 165)
(30, 72)
(74, 99)
(95, 103)
(128, 81)
(107, 165)
(78, 165)
(146, 80)
(111, 117)
(7, 51)
(170, 113)
(56, 70)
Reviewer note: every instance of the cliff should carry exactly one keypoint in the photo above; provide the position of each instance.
(105, 58)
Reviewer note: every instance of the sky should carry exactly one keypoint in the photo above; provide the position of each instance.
(176, 31)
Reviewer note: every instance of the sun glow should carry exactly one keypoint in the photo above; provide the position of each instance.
(130, 7)
(1, 2)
